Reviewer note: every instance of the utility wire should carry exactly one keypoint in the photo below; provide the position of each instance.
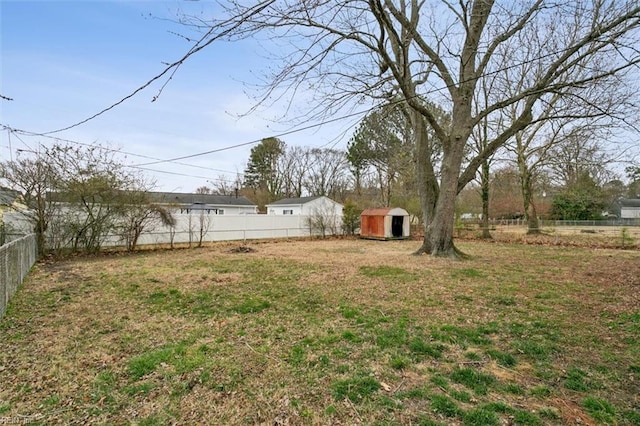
(16, 131)
(208, 178)
(179, 174)
(279, 135)
(199, 45)
(20, 139)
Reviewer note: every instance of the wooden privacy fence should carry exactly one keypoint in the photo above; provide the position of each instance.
(16, 259)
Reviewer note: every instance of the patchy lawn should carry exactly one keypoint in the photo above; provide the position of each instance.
(327, 332)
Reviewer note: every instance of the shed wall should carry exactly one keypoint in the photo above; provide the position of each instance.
(378, 223)
(372, 226)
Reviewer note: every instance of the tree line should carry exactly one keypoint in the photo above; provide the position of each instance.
(79, 195)
(498, 70)
(545, 172)
(469, 84)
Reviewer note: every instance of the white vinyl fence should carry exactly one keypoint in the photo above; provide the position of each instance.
(190, 228)
(16, 259)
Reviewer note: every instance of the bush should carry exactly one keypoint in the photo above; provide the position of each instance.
(350, 218)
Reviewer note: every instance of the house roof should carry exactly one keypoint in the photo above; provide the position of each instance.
(210, 199)
(385, 211)
(294, 201)
(630, 202)
(8, 196)
(182, 199)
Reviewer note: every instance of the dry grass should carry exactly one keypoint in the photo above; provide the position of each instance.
(327, 332)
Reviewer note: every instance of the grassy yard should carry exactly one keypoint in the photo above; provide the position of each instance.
(327, 332)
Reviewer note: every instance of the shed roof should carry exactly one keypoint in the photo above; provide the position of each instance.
(385, 211)
(294, 201)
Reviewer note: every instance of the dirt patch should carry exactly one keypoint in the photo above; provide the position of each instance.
(242, 249)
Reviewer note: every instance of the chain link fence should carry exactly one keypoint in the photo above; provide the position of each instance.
(16, 259)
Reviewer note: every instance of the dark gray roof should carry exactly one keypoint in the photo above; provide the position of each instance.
(187, 198)
(630, 202)
(8, 196)
(183, 199)
(287, 201)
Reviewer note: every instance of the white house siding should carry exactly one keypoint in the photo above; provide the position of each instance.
(322, 205)
(630, 213)
(17, 224)
(318, 205)
(215, 209)
(286, 210)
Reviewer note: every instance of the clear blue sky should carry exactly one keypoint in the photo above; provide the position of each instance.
(63, 61)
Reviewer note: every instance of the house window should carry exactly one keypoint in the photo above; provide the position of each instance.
(287, 211)
(220, 211)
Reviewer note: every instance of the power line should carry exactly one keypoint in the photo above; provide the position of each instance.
(20, 139)
(236, 22)
(16, 131)
(179, 174)
(199, 45)
(279, 135)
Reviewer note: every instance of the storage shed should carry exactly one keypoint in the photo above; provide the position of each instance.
(385, 223)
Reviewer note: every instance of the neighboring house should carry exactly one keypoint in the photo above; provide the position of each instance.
(305, 206)
(12, 219)
(630, 208)
(211, 204)
(10, 199)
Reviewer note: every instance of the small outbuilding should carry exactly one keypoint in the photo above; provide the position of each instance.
(385, 223)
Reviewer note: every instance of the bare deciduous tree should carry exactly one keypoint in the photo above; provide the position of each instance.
(326, 173)
(293, 167)
(34, 177)
(79, 195)
(203, 190)
(204, 223)
(139, 214)
(345, 50)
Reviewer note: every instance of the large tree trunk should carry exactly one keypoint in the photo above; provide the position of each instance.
(425, 176)
(531, 215)
(358, 182)
(438, 237)
(484, 188)
(438, 201)
(533, 224)
(526, 183)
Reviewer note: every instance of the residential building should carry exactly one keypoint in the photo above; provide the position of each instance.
(629, 208)
(305, 206)
(209, 203)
